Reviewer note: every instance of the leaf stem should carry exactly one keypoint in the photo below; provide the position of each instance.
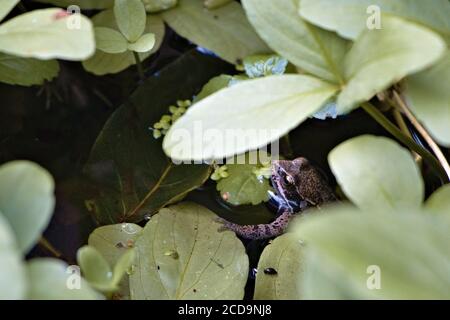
(43, 242)
(139, 66)
(423, 132)
(398, 134)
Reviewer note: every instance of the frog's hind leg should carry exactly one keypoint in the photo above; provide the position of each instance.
(259, 231)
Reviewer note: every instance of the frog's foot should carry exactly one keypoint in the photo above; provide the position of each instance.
(258, 231)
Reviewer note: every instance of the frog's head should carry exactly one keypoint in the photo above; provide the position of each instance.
(298, 184)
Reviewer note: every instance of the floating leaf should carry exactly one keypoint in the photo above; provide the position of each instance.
(376, 255)
(439, 201)
(428, 95)
(12, 271)
(208, 264)
(128, 165)
(243, 186)
(377, 172)
(26, 71)
(316, 51)
(6, 6)
(26, 200)
(95, 268)
(245, 116)
(48, 34)
(392, 56)
(113, 241)
(144, 44)
(103, 63)
(50, 279)
(349, 17)
(110, 41)
(225, 31)
(285, 256)
(130, 18)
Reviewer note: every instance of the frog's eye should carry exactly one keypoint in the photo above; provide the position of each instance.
(288, 179)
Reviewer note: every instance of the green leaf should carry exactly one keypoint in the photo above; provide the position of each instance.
(349, 17)
(26, 200)
(12, 271)
(48, 34)
(26, 72)
(83, 4)
(214, 4)
(254, 112)
(439, 201)
(95, 268)
(225, 31)
(314, 50)
(264, 65)
(243, 186)
(130, 18)
(144, 44)
(159, 5)
(113, 242)
(122, 266)
(181, 255)
(377, 172)
(408, 252)
(393, 57)
(103, 63)
(285, 256)
(429, 98)
(6, 6)
(51, 279)
(213, 85)
(128, 164)
(110, 41)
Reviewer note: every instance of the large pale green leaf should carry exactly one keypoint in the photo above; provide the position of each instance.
(113, 241)
(349, 17)
(377, 172)
(26, 71)
(49, 278)
(6, 6)
(83, 4)
(316, 51)
(439, 201)
(285, 255)
(12, 271)
(382, 57)
(26, 200)
(347, 252)
(225, 30)
(103, 63)
(134, 176)
(48, 34)
(181, 255)
(428, 95)
(245, 116)
(130, 18)
(110, 41)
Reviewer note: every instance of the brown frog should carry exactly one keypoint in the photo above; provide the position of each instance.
(298, 186)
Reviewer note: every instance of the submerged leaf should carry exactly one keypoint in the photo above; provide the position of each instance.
(207, 265)
(375, 172)
(130, 18)
(95, 268)
(109, 40)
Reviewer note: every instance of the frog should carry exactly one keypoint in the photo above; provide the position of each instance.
(298, 185)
